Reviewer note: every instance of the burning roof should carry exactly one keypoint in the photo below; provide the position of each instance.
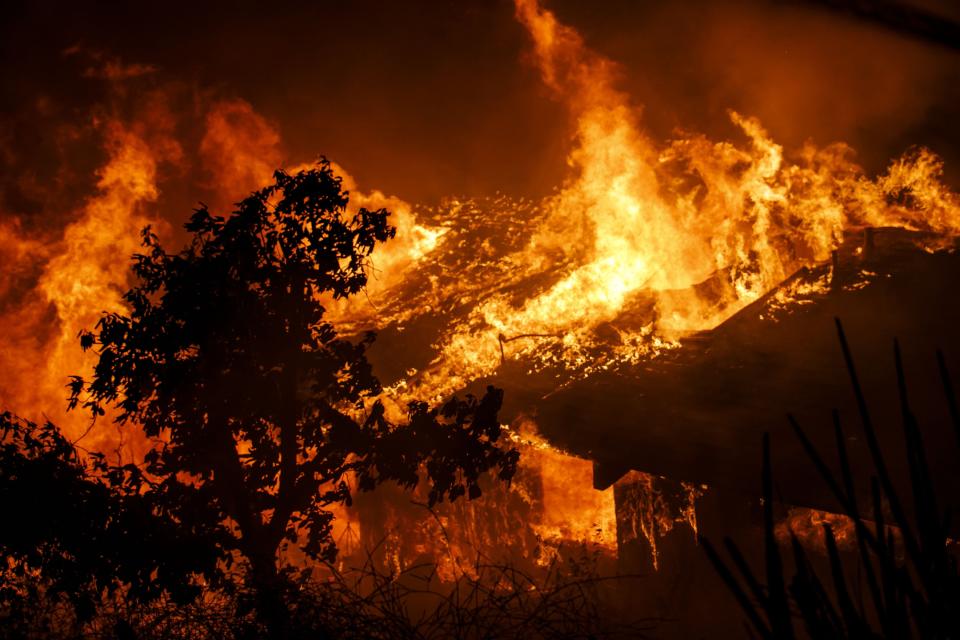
(698, 412)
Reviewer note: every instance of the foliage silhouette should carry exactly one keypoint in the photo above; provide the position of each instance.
(80, 529)
(258, 408)
(568, 599)
(905, 565)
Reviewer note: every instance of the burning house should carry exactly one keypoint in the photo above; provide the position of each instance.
(667, 304)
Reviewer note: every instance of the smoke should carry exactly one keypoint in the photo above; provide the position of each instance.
(805, 72)
(239, 150)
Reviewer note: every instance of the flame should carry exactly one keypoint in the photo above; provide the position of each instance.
(571, 511)
(652, 507)
(549, 514)
(692, 230)
(807, 525)
(645, 242)
(390, 262)
(81, 275)
(239, 151)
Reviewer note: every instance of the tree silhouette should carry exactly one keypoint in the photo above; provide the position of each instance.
(260, 410)
(78, 528)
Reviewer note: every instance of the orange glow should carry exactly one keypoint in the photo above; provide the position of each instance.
(81, 275)
(644, 243)
(689, 232)
(390, 262)
(807, 525)
(240, 150)
(549, 514)
(572, 511)
(650, 511)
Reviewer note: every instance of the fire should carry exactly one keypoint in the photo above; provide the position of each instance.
(807, 525)
(80, 275)
(644, 243)
(240, 150)
(549, 514)
(688, 232)
(572, 511)
(649, 508)
(389, 265)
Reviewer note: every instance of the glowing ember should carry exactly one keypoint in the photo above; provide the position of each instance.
(807, 525)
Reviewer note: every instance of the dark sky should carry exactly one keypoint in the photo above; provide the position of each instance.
(424, 98)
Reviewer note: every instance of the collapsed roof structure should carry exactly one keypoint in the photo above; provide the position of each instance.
(697, 413)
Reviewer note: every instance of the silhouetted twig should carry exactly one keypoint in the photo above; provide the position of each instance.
(911, 578)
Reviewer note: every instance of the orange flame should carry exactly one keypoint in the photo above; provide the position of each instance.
(650, 511)
(548, 514)
(644, 225)
(81, 275)
(807, 525)
(624, 247)
(240, 150)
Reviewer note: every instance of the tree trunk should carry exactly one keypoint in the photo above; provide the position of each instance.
(268, 588)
